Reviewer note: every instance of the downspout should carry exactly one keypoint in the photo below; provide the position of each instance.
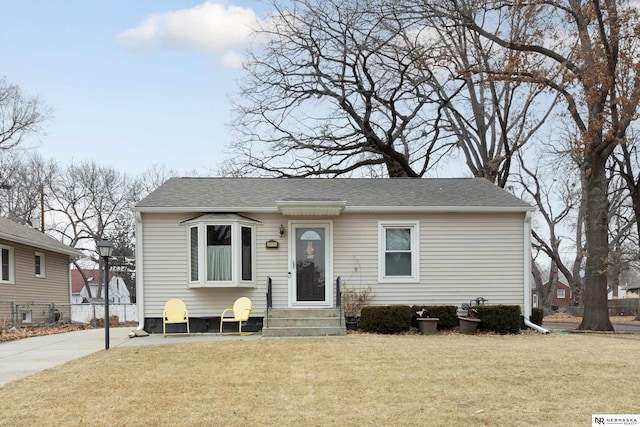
(532, 325)
(527, 265)
(527, 276)
(139, 271)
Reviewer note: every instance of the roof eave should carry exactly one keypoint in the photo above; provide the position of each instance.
(346, 209)
(439, 209)
(52, 248)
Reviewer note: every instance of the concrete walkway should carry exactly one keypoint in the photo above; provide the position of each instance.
(28, 356)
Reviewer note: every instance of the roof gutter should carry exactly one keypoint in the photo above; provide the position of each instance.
(346, 209)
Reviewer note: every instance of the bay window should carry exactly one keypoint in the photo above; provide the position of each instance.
(221, 251)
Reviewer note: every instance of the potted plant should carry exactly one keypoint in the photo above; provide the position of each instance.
(470, 322)
(426, 324)
(352, 302)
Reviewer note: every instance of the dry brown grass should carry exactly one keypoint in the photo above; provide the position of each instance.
(359, 380)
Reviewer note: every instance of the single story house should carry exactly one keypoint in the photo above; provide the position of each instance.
(562, 296)
(118, 291)
(294, 241)
(34, 274)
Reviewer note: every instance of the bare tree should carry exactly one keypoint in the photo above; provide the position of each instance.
(88, 201)
(20, 115)
(151, 179)
(334, 87)
(491, 118)
(343, 86)
(558, 198)
(627, 167)
(584, 41)
(22, 197)
(623, 237)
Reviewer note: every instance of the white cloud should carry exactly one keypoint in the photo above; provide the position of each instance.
(211, 26)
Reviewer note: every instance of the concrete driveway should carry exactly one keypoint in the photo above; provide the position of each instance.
(24, 357)
(619, 327)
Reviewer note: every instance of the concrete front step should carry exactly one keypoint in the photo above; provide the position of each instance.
(303, 323)
(303, 331)
(303, 312)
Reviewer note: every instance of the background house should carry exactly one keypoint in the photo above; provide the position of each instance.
(120, 304)
(562, 296)
(118, 291)
(35, 281)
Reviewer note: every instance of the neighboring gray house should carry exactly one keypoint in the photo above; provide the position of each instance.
(209, 241)
(34, 268)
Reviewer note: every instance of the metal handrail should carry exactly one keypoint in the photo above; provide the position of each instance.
(269, 299)
(339, 297)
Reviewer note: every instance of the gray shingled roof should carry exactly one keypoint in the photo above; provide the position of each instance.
(261, 194)
(18, 233)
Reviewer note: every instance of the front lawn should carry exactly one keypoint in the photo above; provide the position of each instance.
(358, 380)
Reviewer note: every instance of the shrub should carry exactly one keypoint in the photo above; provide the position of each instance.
(503, 319)
(354, 299)
(537, 314)
(446, 314)
(387, 319)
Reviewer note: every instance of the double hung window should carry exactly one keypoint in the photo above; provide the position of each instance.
(6, 264)
(39, 264)
(398, 256)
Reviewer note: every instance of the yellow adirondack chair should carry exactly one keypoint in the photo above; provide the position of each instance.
(241, 311)
(175, 311)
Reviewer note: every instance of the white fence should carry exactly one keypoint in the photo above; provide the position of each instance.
(85, 313)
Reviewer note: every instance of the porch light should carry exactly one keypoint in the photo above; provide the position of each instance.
(105, 249)
(281, 230)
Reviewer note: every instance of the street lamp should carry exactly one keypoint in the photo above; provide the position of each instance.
(105, 248)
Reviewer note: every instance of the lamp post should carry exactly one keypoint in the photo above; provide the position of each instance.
(105, 247)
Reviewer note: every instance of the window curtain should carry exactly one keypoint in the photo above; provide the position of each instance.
(219, 263)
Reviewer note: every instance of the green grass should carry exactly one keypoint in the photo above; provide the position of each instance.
(358, 380)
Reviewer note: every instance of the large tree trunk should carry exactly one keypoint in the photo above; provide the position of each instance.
(395, 169)
(596, 313)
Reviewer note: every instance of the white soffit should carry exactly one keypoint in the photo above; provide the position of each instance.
(310, 208)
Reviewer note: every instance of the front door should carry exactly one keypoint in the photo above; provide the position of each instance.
(310, 261)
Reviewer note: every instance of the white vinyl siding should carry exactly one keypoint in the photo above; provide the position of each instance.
(166, 267)
(462, 256)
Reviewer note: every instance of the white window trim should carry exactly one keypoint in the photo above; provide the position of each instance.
(415, 251)
(43, 270)
(26, 316)
(236, 254)
(564, 293)
(12, 278)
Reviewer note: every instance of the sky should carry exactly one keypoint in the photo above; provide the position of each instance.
(131, 84)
